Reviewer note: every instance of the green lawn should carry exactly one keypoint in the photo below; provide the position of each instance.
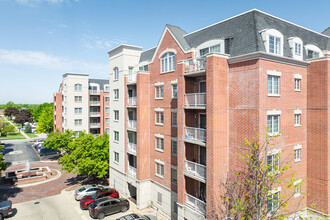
(31, 135)
(13, 136)
(17, 125)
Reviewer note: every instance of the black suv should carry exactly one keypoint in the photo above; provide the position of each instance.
(106, 206)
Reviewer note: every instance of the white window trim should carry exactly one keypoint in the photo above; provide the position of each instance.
(159, 83)
(114, 157)
(297, 112)
(313, 48)
(274, 112)
(156, 87)
(114, 116)
(265, 37)
(174, 111)
(159, 136)
(176, 90)
(156, 111)
(174, 168)
(292, 44)
(161, 163)
(274, 73)
(297, 147)
(174, 81)
(297, 182)
(297, 76)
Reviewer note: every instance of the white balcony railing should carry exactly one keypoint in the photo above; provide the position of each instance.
(95, 114)
(131, 147)
(94, 125)
(196, 134)
(132, 171)
(94, 102)
(195, 169)
(196, 204)
(131, 101)
(195, 64)
(132, 77)
(94, 92)
(131, 124)
(195, 100)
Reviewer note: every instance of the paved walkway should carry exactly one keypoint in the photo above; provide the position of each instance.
(26, 136)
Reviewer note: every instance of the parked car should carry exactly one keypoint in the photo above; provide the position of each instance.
(87, 190)
(136, 216)
(46, 151)
(3, 135)
(87, 200)
(5, 209)
(106, 206)
(38, 146)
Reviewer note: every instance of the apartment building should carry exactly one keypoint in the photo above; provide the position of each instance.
(82, 104)
(184, 107)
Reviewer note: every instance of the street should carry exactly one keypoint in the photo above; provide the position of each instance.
(19, 151)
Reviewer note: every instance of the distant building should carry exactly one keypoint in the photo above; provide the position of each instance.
(82, 104)
(179, 111)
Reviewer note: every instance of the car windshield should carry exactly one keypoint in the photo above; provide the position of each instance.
(81, 189)
(94, 195)
(145, 217)
(93, 205)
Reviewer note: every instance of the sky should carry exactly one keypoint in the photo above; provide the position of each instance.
(40, 40)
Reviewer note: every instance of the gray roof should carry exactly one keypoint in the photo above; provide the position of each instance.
(147, 55)
(101, 82)
(245, 31)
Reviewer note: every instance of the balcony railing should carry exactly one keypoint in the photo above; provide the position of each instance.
(131, 147)
(131, 101)
(132, 77)
(94, 114)
(195, 169)
(195, 65)
(94, 102)
(196, 204)
(94, 125)
(195, 100)
(132, 171)
(94, 92)
(195, 134)
(131, 124)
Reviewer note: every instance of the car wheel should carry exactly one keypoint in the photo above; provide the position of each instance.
(124, 209)
(1, 217)
(100, 215)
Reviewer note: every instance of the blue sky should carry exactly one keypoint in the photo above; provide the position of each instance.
(40, 40)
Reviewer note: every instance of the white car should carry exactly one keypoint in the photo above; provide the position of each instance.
(87, 190)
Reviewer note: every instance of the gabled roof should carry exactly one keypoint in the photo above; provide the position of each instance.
(147, 55)
(178, 35)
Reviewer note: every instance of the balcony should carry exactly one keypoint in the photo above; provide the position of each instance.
(94, 102)
(131, 171)
(131, 147)
(131, 78)
(196, 204)
(131, 102)
(94, 92)
(131, 124)
(195, 100)
(94, 114)
(195, 170)
(195, 67)
(195, 135)
(94, 125)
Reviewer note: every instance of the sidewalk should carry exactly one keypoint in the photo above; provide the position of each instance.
(20, 131)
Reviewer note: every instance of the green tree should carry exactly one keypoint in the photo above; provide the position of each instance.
(58, 140)
(8, 128)
(27, 128)
(37, 111)
(46, 122)
(3, 165)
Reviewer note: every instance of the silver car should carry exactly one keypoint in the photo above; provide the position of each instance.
(87, 190)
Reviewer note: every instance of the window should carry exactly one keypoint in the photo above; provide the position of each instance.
(116, 73)
(116, 115)
(107, 99)
(174, 91)
(297, 48)
(144, 68)
(174, 147)
(160, 144)
(273, 162)
(297, 120)
(107, 130)
(175, 207)
(159, 169)
(297, 84)
(159, 198)
(174, 175)
(273, 124)
(116, 135)
(312, 54)
(107, 88)
(116, 94)
(168, 62)
(78, 111)
(159, 118)
(130, 70)
(297, 188)
(297, 153)
(107, 109)
(159, 92)
(274, 45)
(116, 155)
(174, 118)
(77, 87)
(78, 122)
(204, 51)
(273, 85)
(272, 202)
(77, 99)
(107, 120)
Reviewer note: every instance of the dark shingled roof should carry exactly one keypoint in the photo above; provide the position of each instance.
(178, 34)
(101, 82)
(147, 55)
(326, 32)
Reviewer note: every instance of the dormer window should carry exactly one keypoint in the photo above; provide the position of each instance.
(215, 48)
(274, 45)
(168, 62)
(273, 40)
(296, 47)
(312, 54)
(313, 51)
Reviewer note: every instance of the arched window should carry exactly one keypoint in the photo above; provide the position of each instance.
(116, 73)
(273, 40)
(77, 87)
(168, 62)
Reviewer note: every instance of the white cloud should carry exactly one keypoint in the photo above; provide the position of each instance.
(33, 3)
(93, 42)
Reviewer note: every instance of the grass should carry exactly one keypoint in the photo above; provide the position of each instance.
(31, 135)
(13, 136)
(17, 125)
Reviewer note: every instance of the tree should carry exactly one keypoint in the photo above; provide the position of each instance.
(8, 128)
(11, 111)
(23, 116)
(37, 111)
(27, 128)
(58, 140)
(250, 193)
(3, 164)
(46, 122)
